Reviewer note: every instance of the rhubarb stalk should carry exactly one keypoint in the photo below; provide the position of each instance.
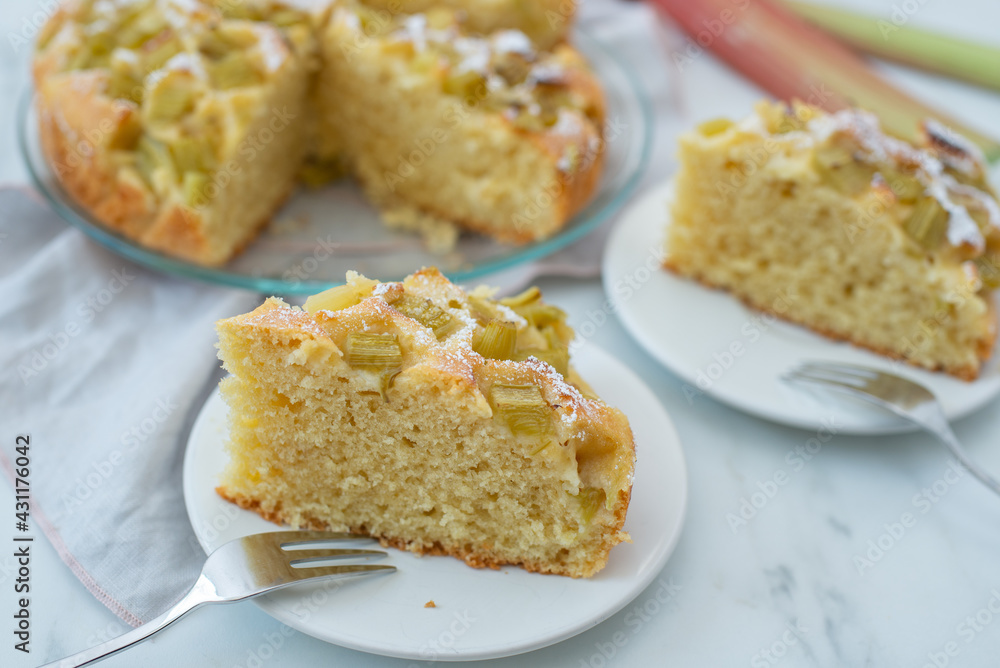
(792, 59)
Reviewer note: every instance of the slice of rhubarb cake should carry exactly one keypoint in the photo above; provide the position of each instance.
(439, 421)
(855, 234)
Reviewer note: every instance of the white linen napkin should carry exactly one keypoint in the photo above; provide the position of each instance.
(103, 361)
(107, 363)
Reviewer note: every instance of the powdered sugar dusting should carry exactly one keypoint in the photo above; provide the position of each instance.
(187, 62)
(276, 313)
(475, 55)
(513, 41)
(381, 289)
(961, 152)
(962, 229)
(881, 148)
(570, 397)
(453, 354)
(509, 315)
(567, 124)
(415, 30)
(272, 48)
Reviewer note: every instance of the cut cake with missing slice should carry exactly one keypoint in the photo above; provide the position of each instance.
(184, 124)
(439, 421)
(825, 221)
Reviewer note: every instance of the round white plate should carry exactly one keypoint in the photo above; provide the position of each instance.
(480, 614)
(735, 354)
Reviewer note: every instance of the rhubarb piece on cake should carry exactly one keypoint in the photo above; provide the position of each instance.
(830, 223)
(439, 421)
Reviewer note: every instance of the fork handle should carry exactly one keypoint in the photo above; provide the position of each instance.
(195, 597)
(947, 436)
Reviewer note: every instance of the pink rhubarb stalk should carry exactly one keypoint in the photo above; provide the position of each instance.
(792, 59)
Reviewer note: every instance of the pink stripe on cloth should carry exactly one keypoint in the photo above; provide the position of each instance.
(79, 571)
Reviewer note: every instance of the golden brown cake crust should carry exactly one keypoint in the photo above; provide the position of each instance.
(69, 105)
(67, 109)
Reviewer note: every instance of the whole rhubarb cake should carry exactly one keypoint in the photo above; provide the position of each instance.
(826, 221)
(439, 421)
(184, 124)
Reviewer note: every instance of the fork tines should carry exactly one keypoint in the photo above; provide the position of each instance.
(836, 374)
(841, 368)
(303, 558)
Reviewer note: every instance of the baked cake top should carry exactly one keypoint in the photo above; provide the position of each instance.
(502, 70)
(938, 191)
(550, 93)
(507, 358)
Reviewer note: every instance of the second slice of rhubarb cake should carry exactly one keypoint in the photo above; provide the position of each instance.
(830, 223)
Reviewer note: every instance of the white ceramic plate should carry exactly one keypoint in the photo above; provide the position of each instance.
(480, 614)
(723, 349)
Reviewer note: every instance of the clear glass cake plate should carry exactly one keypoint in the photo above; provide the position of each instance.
(320, 234)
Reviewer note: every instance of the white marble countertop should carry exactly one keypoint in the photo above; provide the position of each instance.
(823, 574)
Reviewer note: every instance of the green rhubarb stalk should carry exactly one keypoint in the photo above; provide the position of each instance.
(977, 63)
(792, 59)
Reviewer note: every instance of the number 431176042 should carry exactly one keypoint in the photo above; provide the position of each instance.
(22, 486)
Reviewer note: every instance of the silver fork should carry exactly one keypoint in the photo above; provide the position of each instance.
(241, 569)
(903, 397)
